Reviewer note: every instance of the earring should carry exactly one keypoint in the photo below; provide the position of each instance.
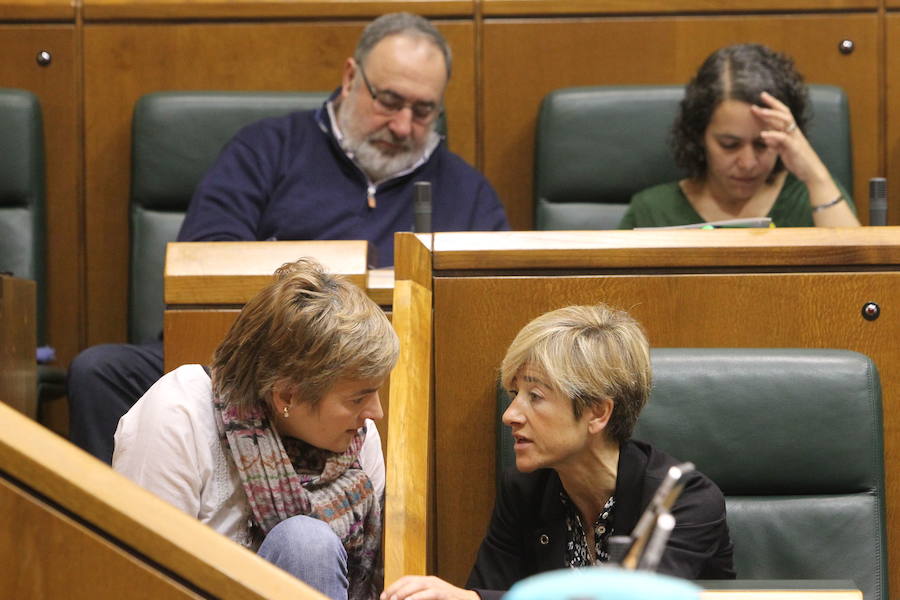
(284, 412)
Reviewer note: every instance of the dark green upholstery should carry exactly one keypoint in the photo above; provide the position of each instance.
(22, 250)
(176, 137)
(22, 215)
(597, 146)
(793, 437)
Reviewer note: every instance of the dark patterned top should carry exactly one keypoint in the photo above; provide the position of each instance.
(577, 554)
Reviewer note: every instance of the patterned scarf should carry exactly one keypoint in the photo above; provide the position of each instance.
(287, 477)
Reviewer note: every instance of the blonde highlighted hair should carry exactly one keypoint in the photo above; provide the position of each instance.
(307, 328)
(588, 353)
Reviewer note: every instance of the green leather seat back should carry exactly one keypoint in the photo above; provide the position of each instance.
(793, 437)
(176, 137)
(22, 250)
(597, 146)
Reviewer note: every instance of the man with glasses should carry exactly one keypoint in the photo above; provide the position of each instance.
(344, 171)
(347, 170)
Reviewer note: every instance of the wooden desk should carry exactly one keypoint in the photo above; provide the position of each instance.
(779, 590)
(18, 340)
(781, 595)
(207, 283)
(749, 288)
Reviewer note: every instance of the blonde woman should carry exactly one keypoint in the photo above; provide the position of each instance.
(275, 445)
(578, 378)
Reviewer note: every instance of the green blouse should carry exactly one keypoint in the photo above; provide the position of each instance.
(664, 205)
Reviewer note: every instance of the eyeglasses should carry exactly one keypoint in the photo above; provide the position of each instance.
(389, 102)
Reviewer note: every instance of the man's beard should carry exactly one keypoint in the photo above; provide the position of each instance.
(375, 163)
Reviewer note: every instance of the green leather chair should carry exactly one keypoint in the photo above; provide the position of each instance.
(22, 230)
(597, 146)
(793, 437)
(22, 250)
(176, 136)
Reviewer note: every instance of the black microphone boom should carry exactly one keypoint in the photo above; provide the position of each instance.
(878, 201)
(422, 206)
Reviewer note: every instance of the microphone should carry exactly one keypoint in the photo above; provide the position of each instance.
(422, 207)
(642, 535)
(665, 523)
(878, 201)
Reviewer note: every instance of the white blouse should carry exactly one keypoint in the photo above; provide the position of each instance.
(168, 443)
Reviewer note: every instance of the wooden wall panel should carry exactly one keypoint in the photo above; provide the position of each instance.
(594, 7)
(254, 9)
(56, 87)
(524, 59)
(37, 10)
(122, 62)
(892, 114)
(676, 310)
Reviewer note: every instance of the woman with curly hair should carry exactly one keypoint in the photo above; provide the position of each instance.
(740, 137)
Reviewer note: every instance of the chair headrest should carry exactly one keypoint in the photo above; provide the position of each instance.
(177, 136)
(774, 421)
(602, 144)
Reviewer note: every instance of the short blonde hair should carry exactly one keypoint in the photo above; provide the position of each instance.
(588, 353)
(307, 327)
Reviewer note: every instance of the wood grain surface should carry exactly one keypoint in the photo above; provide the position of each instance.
(57, 89)
(631, 7)
(47, 554)
(667, 249)
(234, 272)
(18, 372)
(408, 534)
(99, 10)
(892, 112)
(37, 10)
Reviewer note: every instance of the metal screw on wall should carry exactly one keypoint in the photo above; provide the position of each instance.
(846, 47)
(44, 58)
(871, 311)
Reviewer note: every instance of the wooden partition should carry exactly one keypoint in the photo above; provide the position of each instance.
(73, 528)
(18, 371)
(721, 288)
(28, 28)
(409, 495)
(892, 112)
(207, 283)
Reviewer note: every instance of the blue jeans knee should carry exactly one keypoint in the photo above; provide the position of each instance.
(309, 550)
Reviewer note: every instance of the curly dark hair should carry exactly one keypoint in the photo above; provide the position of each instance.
(740, 72)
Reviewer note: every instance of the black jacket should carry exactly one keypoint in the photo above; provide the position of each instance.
(527, 532)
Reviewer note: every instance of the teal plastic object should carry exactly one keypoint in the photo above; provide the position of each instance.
(602, 583)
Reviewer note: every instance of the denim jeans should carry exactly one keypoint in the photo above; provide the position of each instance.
(309, 550)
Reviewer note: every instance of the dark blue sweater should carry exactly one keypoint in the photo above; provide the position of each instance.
(286, 178)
